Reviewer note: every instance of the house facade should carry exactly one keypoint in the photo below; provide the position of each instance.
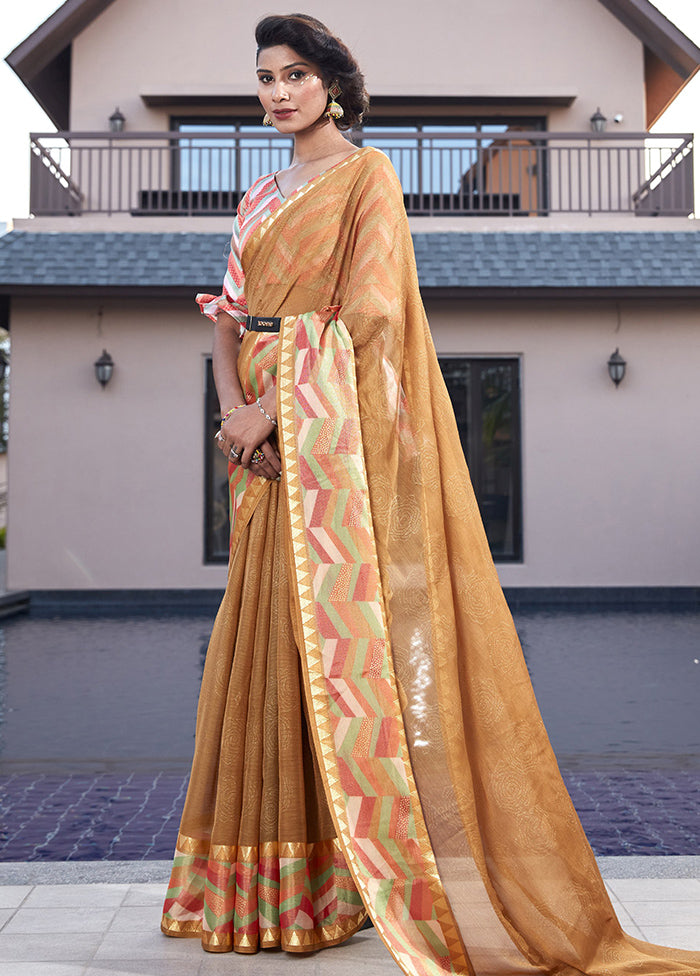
(543, 246)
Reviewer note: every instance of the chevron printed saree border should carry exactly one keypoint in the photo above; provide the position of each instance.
(348, 671)
(250, 898)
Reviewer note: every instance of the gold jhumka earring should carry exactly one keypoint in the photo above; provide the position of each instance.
(267, 120)
(334, 110)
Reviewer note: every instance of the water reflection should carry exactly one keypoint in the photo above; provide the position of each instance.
(108, 692)
(101, 691)
(616, 683)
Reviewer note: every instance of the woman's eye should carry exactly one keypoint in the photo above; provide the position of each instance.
(265, 79)
(297, 75)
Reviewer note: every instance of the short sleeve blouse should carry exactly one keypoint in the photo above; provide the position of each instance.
(262, 199)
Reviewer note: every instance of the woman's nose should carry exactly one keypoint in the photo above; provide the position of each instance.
(279, 92)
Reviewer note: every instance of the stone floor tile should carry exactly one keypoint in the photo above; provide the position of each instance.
(145, 945)
(350, 967)
(629, 927)
(625, 920)
(137, 918)
(52, 947)
(613, 897)
(5, 916)
(655, 889)
(146, 894)
(44, 969)
(678, 936)
(77, 896)
(268, 963)
(143, 967)
(645, 913)
(365, 949)
(75, 919)
(12, 896)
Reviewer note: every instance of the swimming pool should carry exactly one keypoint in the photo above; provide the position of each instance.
(97, 722)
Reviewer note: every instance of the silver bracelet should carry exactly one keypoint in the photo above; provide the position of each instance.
(265, 414)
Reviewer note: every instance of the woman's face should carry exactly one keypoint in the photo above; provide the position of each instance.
(290, 89)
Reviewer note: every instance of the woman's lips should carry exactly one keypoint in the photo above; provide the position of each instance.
(283, 113)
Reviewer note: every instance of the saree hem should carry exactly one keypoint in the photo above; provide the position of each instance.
(300, 941)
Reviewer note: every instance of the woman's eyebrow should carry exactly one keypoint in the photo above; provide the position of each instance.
(285, 67)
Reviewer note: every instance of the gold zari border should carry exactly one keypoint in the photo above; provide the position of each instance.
(229, 853)
(293, 940)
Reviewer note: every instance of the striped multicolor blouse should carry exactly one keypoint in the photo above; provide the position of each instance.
(261, 200)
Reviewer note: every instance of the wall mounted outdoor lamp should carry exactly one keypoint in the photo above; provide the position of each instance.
(116, 121)
(104, 367)
(598, 121)
(616, 367)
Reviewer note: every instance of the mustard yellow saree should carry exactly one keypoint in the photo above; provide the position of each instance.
(368, 738)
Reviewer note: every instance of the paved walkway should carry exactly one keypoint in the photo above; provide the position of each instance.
(101, 919)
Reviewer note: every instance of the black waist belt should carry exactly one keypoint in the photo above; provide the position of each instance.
(258, 323)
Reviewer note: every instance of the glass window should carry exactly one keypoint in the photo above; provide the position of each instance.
(463, 166)
(456, 167)
(485, 395)
(216, 494)
(228, 165)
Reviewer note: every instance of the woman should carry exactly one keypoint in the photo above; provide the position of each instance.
(367, 736)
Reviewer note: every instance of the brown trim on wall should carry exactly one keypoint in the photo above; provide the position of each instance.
(661, 85)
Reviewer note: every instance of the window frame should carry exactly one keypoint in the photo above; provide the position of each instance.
(212, 419)
(473, 449)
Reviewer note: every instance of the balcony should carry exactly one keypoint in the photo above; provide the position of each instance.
(512, 173)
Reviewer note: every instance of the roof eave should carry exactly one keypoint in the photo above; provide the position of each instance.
(658, 33)
(31, 58)
(51, 37)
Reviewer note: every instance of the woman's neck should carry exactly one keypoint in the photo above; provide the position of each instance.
(318, 143)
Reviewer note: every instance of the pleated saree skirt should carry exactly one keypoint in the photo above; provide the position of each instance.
(257, 863)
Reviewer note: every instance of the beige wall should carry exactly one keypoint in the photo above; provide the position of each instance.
(610, 476)
(106, 486)
(505, 47)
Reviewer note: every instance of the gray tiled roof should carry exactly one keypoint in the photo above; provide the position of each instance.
(488, 261)
(535, 260)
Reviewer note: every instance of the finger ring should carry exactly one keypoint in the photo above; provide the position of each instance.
(219, 436)
(258, 456)
(233, 455)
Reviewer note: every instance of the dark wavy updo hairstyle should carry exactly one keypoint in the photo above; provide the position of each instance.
(314, 42)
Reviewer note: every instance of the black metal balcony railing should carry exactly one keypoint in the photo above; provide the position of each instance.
(510, 173)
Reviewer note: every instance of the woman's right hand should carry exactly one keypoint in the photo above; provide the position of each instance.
(246, 431)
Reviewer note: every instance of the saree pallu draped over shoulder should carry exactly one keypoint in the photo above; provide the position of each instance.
(447, 806)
